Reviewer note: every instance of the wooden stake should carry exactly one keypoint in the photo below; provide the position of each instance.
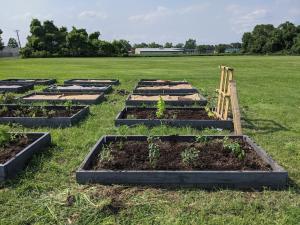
(235, 108)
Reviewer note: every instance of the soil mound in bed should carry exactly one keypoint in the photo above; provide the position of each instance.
(12, 148)
(179, 114)
(133, 155)
(188, 97)
(166, 87)
(63, 97)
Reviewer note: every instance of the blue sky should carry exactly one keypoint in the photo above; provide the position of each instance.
(208, 21)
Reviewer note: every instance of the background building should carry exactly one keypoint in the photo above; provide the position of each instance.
(159, 51)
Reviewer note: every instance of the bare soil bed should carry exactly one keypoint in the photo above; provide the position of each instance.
(12, 148)
(187, 97)
(178, 114)
(37, 111)
(64, 96)
(211, 155)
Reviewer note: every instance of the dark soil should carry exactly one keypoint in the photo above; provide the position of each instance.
(179, 114)
(12, 148)
(36, 111)
(133, 155)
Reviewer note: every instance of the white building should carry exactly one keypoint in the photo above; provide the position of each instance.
(9, 52)
(159, 51)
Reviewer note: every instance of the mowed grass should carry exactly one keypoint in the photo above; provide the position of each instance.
(269, 95)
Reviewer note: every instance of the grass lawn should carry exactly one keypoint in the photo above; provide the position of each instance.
(269, 92)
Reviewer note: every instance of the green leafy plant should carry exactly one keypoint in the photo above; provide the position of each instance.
(7, 98)
(201, 139)
(68, 105)
(209, 112)
(234, 147)
(161, 107)
(5, 137)
(154, 151)
(3, 110)
(189, 156)
(106, 154)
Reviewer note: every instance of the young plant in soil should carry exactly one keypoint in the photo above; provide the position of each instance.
(154, 151)
(7, 98)
(209, 112)
(234, 147)
(161, 108)
(106, 154)
(189, 156)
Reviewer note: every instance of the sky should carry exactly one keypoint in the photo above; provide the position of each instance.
(207, 21)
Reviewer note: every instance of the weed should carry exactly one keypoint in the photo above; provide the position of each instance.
(161, 107)
(154, 152)
(7, 98)
(3, 110)
(5, 137)
(209, 112)
(189, 156)
(201, 139)
(105, 154)
(234, 147)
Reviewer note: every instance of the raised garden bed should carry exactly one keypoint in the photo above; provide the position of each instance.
(38, 116)
(76, 98)
(92, 81)
(165, 88)
(203, 161)
(179, 117)
(160, 82)
(79, 88)
(28, 81)
(175, 99)
(15, 154)
(17, 88)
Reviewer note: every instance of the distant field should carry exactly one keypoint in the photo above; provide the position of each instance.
(269, 92)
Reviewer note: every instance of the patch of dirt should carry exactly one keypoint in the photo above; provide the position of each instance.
(133, 155)
(36, 111)
(180, 114)
(70, 200)
(187, 97)
(165, 87)
(122, 92)
(64, 96)
(88, 81)
(12, 148)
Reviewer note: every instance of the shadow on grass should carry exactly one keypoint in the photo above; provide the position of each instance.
(263, 126)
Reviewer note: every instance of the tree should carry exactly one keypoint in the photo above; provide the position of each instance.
(237, 45)
(168, 45)
(1, 43)
(190, 44)
(289, 32)
(220, 48)
(141, 45)
(77, 42)
(154, 45)
(121, 47)
(179, 45)
(105, 48)
(12, 43)
(296, 45)
(203, 49)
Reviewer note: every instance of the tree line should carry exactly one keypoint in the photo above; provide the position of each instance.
(266, 38)
(48, 40)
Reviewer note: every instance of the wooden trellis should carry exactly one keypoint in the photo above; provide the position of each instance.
(228, 100)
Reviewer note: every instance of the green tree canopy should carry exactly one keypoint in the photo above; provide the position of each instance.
(1, 43)
(12, 43)
(168, 45)
(190, 44)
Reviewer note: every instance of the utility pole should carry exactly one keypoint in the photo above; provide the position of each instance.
(17, 31)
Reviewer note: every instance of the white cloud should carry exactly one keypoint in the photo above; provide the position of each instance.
(162, 11)
(89, 14)
(243, 20)
(29, 15)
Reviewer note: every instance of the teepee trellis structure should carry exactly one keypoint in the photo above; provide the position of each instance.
(228, 99)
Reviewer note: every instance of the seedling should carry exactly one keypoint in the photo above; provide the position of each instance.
(234, 147)
(7, 98)
(209, 112)
(4, 137)
(161, 108)
(154, 152)
(68, 105)
(201, 139)
(3, 110)
(105, 154)
(189, 156)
